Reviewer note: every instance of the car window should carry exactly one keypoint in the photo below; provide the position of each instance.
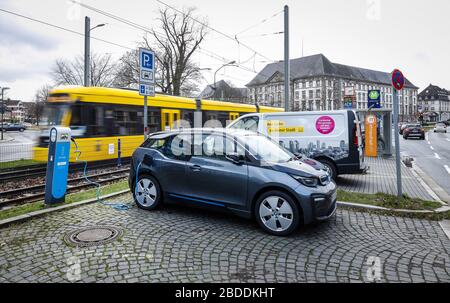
(218, 146)
(247, 123)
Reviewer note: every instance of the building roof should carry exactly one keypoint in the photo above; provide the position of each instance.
(319, 65)
(214, 90)
(434, 90)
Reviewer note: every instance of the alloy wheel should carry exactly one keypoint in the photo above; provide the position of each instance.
(276, 213)
(146, 193)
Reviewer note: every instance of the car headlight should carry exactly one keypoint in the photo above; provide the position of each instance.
(307, 181)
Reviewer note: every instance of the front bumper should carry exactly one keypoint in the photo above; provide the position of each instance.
(324, 206)
(317, 204)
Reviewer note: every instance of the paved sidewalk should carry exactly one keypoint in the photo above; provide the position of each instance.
(381, 177)
(176, 244)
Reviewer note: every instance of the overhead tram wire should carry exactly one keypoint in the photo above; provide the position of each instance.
(62, 28)
(215, 30)
(259, 23)
(161, 36)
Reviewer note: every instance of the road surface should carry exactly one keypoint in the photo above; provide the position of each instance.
(20, 147)
(431, 155)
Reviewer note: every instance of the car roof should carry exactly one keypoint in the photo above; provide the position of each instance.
(227, 131)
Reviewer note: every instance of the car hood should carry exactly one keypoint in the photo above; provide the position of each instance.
(297, 167)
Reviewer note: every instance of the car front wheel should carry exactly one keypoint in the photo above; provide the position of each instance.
(277, 213)
(147, 193)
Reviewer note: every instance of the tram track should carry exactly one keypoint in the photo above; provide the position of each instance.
(40, 169)
(36, 193)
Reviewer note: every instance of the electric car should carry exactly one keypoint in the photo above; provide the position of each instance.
(237, 170)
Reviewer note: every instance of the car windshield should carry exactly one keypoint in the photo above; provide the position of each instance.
(265, 149)
(440, 124)
(413, 125)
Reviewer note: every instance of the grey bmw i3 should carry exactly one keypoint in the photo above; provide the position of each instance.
(240, 171)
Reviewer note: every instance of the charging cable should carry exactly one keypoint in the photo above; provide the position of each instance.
(116, 206)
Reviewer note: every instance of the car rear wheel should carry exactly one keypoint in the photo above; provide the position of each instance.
(21, 130)
(277, 213)
(147, 193)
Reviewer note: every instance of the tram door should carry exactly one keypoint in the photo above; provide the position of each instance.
(170, 119)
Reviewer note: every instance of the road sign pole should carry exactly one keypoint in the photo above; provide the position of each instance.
(397, 145)
(145, 117)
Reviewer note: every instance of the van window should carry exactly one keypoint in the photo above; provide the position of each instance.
(247, 123)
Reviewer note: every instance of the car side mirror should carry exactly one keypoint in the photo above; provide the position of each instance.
(235, 158)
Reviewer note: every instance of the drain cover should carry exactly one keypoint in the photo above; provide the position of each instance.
(90, 236)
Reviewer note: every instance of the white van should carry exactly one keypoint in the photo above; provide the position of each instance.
(330, 137)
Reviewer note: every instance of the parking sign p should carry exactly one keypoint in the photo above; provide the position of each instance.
(147, 60)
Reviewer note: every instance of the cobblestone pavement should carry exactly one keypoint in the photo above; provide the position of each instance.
(188, 245)
(381, 177)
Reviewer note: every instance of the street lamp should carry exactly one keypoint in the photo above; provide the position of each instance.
(87, 48)
(3, 107)
(226, 64)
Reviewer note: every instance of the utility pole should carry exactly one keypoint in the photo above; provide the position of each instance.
(287, 71)
(87, 50)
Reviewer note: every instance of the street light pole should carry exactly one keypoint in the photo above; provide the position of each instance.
(3, 107)
(287, 69)
(226, 64)
(87, 49)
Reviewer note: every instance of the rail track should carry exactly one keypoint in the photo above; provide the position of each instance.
(37, 192)
(40, 169)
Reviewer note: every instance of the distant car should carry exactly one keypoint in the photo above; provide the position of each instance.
(14, 127)
(402, 128)
(414, 131)
(440, 128)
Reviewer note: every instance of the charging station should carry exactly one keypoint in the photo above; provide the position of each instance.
(57, 165)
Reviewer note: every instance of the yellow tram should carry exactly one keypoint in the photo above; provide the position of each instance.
(99, 117)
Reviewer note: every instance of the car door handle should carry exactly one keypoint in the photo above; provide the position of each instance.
(195, 167)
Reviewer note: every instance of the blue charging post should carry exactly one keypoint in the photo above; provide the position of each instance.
(57, 165)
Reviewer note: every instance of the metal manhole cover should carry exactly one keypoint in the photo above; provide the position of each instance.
(95, 235)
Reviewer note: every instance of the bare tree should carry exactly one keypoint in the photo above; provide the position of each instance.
(176, 73)
(40, 98)
(103, 71)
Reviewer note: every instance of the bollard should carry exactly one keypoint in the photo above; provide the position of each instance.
(119, 162)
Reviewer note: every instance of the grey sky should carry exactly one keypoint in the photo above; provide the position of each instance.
(382, 35)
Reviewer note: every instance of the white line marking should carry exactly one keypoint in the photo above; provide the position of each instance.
(447, 169)
(437, 156)
(429, 142)
(432, 147)
(448, 140)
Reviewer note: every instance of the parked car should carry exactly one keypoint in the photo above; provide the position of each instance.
(402, 128)
(14, 127)
(414, 131)
(330, 137)
(440, 128)
(239, 171)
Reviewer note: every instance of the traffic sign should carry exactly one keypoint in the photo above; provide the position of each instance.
(146, 72)
(373, 98)
(398, 80)
(146, 89)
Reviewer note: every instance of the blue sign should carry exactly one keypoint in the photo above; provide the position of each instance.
(374, 98)
(146, 72)
(146, 60)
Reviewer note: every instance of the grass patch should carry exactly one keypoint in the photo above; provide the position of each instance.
(18, 163)
(388, 201)
(71, 198)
